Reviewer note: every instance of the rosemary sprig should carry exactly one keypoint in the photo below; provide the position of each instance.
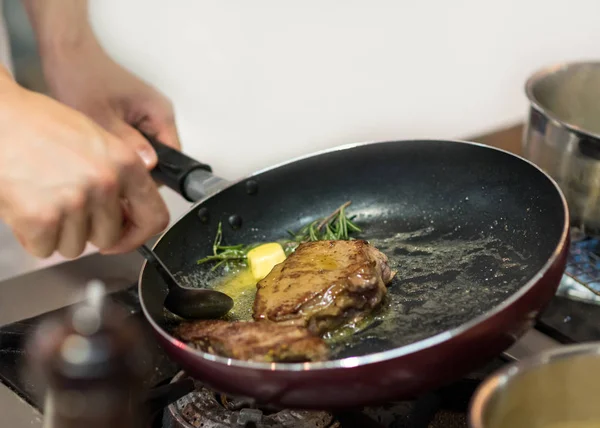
(336, 226)
(225, 253)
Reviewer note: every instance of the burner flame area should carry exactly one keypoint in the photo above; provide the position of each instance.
(204, 408)
(234, 403)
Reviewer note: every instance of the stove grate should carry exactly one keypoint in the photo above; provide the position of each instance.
(206, 409)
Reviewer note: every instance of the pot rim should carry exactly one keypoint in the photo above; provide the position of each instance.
(540, 75)
(498, 380)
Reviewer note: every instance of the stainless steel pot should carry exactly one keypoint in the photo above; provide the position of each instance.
(555, 389)
(562, 135)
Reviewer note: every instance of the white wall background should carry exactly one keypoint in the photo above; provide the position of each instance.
(257, 82)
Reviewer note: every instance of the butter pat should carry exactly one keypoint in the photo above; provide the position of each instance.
(263, 259)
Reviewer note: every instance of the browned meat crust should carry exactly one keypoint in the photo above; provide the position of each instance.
(323, 285)
(253, 341)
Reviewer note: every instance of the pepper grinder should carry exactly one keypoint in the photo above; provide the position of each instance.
(92, 362)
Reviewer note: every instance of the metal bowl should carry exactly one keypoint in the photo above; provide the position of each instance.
(562, 135)
(555, 389)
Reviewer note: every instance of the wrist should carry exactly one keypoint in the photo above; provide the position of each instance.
(59, 47)
(63, 59)
(61, 27)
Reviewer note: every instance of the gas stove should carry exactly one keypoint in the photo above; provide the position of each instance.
(572, 316)
(445, 407)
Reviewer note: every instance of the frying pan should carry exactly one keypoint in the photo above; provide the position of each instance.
(479, 238)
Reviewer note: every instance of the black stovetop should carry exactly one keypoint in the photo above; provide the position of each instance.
(12, 355)
(565, 320)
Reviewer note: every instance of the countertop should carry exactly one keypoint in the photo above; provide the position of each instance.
(507, 138)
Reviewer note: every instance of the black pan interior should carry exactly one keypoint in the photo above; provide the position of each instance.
(465, 226)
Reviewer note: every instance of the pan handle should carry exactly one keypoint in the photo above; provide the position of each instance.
(191, 179)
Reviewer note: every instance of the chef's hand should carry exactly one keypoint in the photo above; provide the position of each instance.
(65, 181)
(81, 75)
(87, 79)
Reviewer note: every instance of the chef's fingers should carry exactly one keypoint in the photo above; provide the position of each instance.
(161, 126)
(132, 137)
(147, 212)
(105, 212)
(35, 225)
(75, 228)
(167, 133)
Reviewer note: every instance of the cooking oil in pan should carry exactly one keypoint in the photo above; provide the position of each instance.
(442, 282)
(240, 285)
(439, 286)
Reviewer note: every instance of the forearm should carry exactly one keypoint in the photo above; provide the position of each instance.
(59, 25)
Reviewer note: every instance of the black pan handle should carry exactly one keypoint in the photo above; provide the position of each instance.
(191, 179)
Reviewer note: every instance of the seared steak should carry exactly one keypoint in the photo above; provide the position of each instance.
(323, 285)
(253, 341)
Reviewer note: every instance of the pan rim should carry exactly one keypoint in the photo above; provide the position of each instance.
(390, 354)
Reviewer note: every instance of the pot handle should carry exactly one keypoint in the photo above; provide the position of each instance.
(191, 179)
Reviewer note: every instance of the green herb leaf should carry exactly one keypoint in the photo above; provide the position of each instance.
(336, 226)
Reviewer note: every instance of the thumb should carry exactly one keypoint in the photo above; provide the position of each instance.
(137, 141)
